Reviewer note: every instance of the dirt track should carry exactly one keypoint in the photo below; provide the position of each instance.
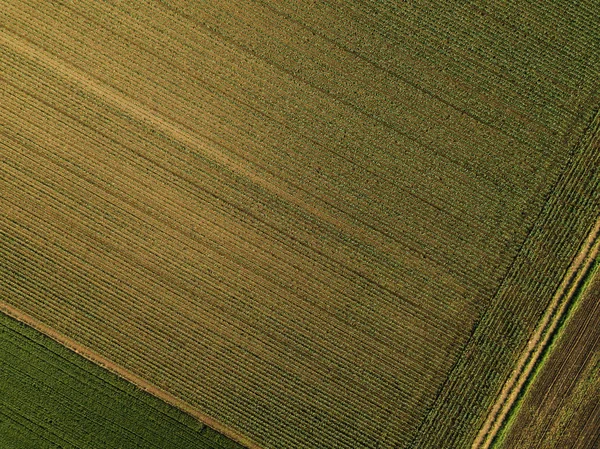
(560, 408)
(125, 374)
(536, 344)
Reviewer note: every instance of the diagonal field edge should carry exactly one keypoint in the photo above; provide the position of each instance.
(538, 341)
(105, 363)
(562, 193)
(546, 325)
(587, 139)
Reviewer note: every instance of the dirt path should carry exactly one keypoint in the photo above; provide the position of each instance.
(125, 374)
(538, 341)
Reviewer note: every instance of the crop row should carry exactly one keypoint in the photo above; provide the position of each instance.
(184, 79)
(51, 396)
(512, 315)
(349, 254)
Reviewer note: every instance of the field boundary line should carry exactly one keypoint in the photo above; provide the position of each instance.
(586, 139)
(125, 374)
(526, 363)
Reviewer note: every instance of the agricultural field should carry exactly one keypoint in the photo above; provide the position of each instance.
(307, 224)
(532, 357)
(560, 408)
(51, 397)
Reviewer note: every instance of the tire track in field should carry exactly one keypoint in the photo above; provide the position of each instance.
(146, 115)
(538, 341)
(183, 135)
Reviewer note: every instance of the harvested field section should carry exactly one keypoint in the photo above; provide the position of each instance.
(307, 221)
(560, 408)
(532, 355)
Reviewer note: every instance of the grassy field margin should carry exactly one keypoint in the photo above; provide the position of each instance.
(531, 357)
(557, 335)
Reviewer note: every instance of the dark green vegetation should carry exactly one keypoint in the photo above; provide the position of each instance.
(51, 397)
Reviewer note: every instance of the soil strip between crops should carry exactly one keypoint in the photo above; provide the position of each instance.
(538, 341)
(98, 359)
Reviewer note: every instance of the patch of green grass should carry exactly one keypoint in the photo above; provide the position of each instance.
(51, 397)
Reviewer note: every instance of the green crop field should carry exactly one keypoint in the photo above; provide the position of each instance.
(343, 224)
(51, 397)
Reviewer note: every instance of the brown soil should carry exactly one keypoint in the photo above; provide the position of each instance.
(536, 344)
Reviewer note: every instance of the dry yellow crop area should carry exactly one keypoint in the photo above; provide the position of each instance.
(310, 224)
